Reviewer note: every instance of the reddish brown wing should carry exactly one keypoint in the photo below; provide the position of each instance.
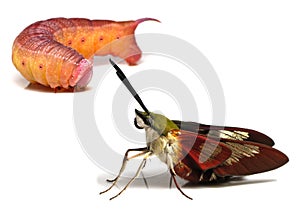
(202, 152)
(226, 158)
(249, 158)
(233, 133)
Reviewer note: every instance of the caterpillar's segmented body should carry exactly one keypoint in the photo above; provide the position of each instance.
(59, 52)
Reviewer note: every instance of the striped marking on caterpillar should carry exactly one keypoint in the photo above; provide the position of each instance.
(59, 52)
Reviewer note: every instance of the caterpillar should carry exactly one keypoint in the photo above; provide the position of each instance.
(59, 52)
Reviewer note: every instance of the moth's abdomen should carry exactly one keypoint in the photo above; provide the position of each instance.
(58, 52)
(195, 175)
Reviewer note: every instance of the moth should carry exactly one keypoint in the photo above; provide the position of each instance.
(198, 152)
(59, 52)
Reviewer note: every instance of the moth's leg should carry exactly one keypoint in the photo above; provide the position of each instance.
(146, 156)
(145, 181)
(125, 160)
(170, 183)
(176, 184)
(171, 167)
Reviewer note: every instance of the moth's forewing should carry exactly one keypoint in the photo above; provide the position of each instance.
(233, 133)
(205, 158)
(198, 156)
(250, 158)
(205, 153)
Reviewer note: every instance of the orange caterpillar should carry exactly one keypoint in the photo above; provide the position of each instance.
(58, 52)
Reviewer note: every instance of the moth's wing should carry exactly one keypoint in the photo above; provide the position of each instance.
(198, 151)
(232, 133)
(228, 157)
(249, 158)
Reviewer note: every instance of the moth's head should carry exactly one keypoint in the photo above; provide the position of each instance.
(157, 122)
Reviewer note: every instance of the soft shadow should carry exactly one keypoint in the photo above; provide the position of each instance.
(158, 181)
(230, 182)
(40, 88)
(24, 84)
(20, 81)
(163, 180)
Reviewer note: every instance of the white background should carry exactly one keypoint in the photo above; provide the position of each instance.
(254, 47)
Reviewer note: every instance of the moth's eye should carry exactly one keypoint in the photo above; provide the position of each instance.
(138, 124)
(149, 121)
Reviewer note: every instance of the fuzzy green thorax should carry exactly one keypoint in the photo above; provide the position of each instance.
(161, 124)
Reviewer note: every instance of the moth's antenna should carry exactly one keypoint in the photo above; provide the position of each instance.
(125, 81)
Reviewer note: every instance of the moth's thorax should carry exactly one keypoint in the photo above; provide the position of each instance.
(166, 148)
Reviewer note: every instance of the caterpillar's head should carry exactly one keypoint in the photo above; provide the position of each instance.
(82, 75)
